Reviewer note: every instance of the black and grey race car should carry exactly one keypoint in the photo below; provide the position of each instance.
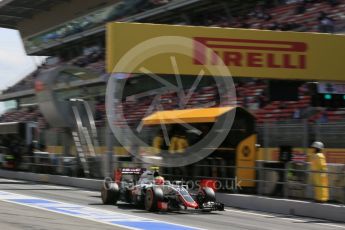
(154, 194)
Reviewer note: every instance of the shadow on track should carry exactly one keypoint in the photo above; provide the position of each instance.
(135, 209)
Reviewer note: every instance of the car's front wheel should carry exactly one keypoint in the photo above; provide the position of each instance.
(152, 197)
(208, 194)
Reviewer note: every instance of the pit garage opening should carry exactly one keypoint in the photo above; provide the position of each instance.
(236, 154)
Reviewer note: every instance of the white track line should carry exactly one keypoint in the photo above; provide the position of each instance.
(284, 218)
(87, 206)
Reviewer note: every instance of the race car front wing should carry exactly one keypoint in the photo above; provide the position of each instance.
(212, 206)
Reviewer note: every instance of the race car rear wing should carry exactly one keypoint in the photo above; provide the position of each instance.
(132, 171)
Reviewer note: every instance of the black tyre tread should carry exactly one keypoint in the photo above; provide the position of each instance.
(110, 193)
(157, 194)
(209, 194)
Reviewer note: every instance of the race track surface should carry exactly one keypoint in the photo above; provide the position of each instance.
(32, 206)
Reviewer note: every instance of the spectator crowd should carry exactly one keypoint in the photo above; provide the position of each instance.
(297, 15)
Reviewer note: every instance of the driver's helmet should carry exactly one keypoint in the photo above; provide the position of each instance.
(318, 145)
(159, 180)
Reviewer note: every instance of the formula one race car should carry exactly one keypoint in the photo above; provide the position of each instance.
(154, 194)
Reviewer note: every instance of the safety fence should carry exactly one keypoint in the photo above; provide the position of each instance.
(301, 133)
(293, 180)
(295, 133)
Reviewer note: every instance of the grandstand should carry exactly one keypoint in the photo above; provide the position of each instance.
(78, 38)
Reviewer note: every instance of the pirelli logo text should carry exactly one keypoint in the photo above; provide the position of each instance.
(250, 53)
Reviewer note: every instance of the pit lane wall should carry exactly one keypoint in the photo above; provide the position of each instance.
(91, 184)
(284, 206)
(251, 202)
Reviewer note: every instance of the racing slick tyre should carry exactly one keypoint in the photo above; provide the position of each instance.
(205, 195)
(208, 194)
(110, 193)
(152, 197)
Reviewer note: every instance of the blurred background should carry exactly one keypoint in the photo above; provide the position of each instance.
(66, 81)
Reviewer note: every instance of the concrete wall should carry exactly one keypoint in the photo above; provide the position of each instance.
(90, 184)
(284, 206)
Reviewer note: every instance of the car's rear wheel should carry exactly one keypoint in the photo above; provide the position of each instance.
(110, 193)
(152, 197)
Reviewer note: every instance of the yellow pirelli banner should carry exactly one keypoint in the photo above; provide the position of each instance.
(166, 49)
